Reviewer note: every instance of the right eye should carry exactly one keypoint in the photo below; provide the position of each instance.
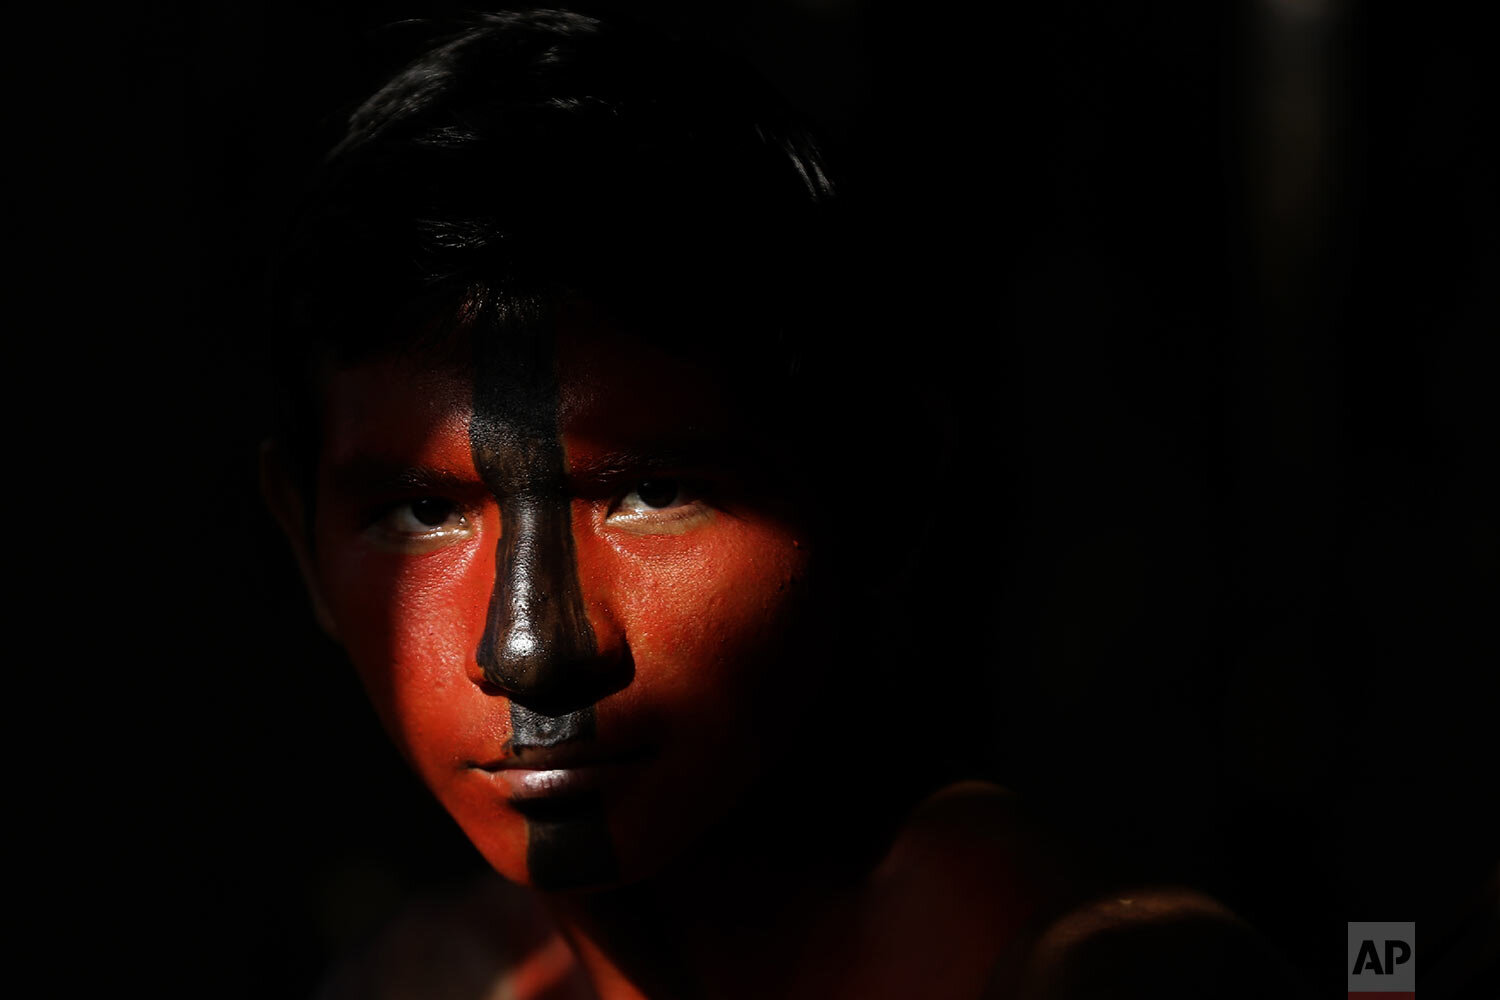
(421, 524)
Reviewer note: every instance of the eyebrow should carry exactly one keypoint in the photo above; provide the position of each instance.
(363, 475)
(369, 474)
(680, 453)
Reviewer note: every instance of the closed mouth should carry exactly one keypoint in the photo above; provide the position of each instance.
(561, 773)
(564, 756)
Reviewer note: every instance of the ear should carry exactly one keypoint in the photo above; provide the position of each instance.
(279, 489)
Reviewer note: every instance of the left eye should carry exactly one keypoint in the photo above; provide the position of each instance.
(659, 507)
(653, 494)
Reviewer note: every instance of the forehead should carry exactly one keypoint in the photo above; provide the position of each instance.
(611, 382)
(609, 386)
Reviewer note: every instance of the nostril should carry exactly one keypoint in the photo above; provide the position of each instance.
(489, 688)
(556, 681)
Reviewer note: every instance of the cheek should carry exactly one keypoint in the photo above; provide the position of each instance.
(411, 625)
(712, 620)
(700, 611)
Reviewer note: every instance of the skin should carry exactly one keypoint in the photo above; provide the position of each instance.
(579, 544)
(657, 657)
(582, 543)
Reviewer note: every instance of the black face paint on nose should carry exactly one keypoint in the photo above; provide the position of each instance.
(537, 644)
(538, 648)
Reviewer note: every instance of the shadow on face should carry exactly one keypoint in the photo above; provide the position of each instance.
(576, 578)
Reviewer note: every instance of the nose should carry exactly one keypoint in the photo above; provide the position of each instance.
(539, 648)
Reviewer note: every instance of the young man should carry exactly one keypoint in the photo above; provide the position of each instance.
(596, 476)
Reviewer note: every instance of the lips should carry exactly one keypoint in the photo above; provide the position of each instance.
(565, 771)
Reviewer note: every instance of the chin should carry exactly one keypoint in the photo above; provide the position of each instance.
(554, 847)
(578, 849)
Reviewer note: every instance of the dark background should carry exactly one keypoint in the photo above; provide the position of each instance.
(1219, 287)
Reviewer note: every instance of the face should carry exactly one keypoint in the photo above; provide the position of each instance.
(575, 585)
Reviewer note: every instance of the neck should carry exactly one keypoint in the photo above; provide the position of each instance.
(778, 879)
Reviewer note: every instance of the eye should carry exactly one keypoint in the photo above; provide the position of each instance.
(659, 507)
(654, 494)
(421, 524)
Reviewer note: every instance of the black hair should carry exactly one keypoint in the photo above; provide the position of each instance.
(531, 157)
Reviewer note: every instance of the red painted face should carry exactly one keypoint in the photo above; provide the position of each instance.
(690, 572)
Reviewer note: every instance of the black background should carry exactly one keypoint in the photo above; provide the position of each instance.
(1223, 555)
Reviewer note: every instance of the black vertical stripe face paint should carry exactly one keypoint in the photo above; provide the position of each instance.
(537, 635)
(538, 648)
(568, 845)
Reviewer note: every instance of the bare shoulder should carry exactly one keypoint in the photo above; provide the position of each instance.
(955, 897)
(973, 841)
(1160, 941)
(487, 940)
(985, 873)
